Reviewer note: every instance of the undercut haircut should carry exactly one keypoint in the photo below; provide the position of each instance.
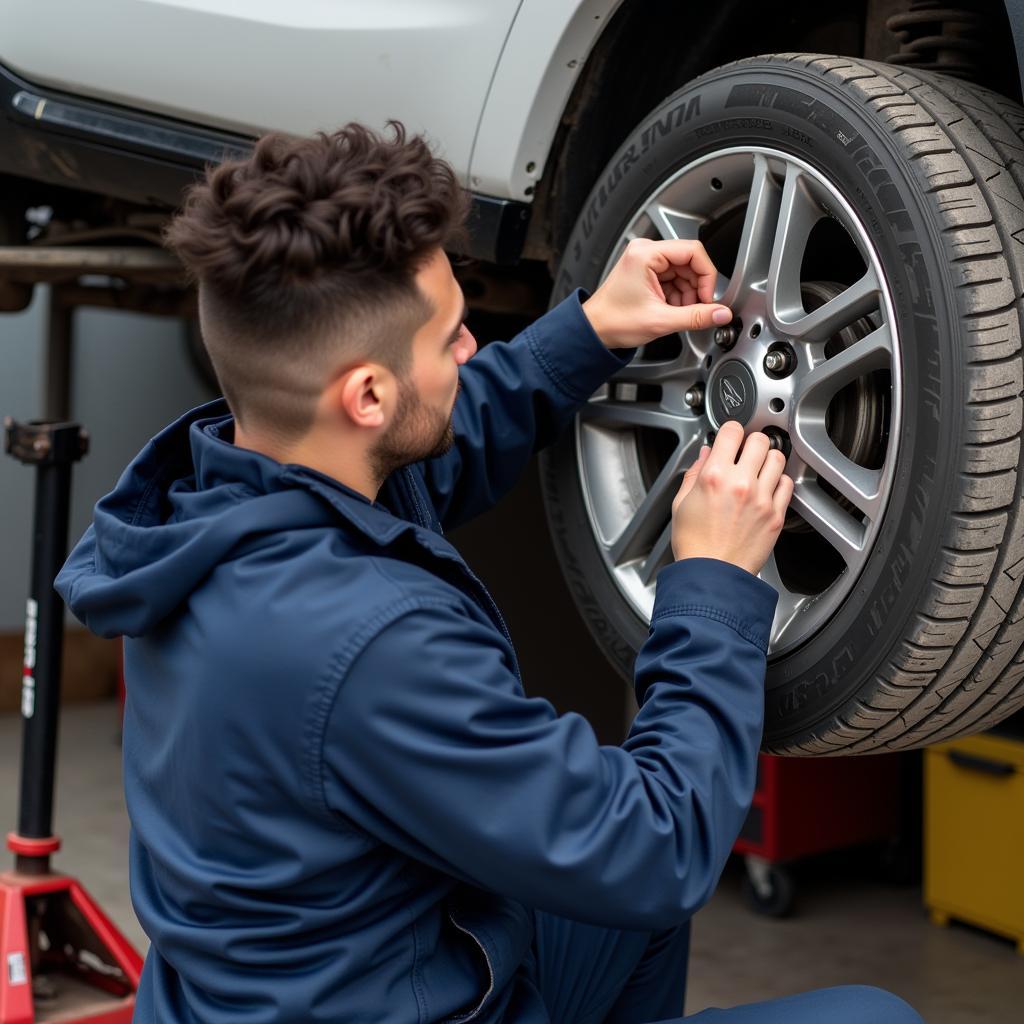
(305, 255)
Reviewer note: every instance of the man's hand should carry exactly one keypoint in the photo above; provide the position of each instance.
(728, 509)
(655, 288)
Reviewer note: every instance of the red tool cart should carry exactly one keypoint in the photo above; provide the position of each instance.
(804, 806)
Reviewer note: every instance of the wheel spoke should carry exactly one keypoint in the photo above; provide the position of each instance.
(829, 519)
(759, 229)
(670, 223)
(648, 521)
(811, 441)
(609, 413)
(770, 574)
(787, 610)
(798, 213)
(657, 558)
(828, 378)
(857, 484)
(859, 299)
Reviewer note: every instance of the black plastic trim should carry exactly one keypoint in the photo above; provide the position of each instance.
(497, 228)
(58, 139)
(97, 125)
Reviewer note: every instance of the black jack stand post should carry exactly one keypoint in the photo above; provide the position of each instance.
(61, 958)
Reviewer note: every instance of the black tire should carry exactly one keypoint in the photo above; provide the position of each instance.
(929, 645)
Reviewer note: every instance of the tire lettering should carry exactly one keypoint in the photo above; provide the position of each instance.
(655, 131)
(692, 110)
(795, 699)
(734, 123)
(877, 613)
(673, 118)
(793, 101)
(685, 111)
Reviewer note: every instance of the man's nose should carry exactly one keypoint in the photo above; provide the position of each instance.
(465, 347)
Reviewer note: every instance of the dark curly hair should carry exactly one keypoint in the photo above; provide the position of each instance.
(305, 255)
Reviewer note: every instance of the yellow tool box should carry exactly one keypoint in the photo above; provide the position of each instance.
(974, 833)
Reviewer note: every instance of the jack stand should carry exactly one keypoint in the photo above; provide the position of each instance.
(61, 958)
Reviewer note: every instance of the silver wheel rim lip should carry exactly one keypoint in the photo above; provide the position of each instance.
(608, 463)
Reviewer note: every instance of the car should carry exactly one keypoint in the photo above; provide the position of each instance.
(855, 169)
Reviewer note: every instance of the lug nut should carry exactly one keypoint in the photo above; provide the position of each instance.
(780, 361)
(779, 440)
(694, 397)
(725, 337)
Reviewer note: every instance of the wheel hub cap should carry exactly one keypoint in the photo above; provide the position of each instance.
(733, 393)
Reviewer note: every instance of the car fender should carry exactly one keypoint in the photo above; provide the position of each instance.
(547, 46)
(546, 49)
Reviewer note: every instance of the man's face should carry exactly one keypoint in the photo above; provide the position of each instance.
(422, 427)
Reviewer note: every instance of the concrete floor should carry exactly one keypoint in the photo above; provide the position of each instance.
(847, 931)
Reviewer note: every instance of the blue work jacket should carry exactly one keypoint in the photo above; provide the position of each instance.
(343, 806)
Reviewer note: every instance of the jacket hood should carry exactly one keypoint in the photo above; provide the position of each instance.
(186, 501)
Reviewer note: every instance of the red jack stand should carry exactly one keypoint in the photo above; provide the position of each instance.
(61, 959)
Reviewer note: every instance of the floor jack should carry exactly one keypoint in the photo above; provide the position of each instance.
(62, 958)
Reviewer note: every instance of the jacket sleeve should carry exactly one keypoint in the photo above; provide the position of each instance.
(517, 396)
(432, 748)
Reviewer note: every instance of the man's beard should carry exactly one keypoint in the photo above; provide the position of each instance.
(417, 433)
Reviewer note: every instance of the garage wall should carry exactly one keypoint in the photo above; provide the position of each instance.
(131, 376)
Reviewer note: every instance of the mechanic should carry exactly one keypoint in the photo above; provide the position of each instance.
(343, 806)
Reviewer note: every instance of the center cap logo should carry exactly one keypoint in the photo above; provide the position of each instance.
(733, 393)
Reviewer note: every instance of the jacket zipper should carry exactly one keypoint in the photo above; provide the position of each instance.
(490, 976)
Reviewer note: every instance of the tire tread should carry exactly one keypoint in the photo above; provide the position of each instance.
(961, 662)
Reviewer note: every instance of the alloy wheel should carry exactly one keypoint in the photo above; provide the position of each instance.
(812, 358)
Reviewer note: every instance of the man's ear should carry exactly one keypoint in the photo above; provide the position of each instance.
(362, 395)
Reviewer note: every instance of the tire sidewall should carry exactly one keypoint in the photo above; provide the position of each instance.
(768, 103)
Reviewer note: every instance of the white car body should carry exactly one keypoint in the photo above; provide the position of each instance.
(485, 80)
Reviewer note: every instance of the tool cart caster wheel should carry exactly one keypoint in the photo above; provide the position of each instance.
(768, 888)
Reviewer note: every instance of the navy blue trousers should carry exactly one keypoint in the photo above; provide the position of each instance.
(591, 975)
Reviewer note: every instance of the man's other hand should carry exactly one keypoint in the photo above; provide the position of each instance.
(732, 504)
(656, 288)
